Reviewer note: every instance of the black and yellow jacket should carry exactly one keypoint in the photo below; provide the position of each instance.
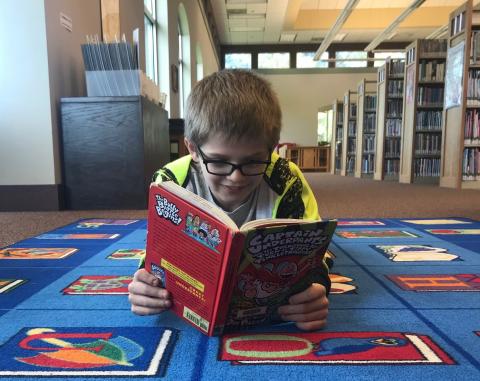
(295, 198)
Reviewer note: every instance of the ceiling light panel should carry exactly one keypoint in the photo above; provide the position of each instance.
(256, 8)
(246, 29)
(288, 37)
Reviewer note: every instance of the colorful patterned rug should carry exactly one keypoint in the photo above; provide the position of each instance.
(405, 304)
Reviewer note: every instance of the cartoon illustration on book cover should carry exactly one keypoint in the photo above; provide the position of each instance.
(276, 264)
(202, 231)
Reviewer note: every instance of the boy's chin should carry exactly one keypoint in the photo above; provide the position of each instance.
(232, 201)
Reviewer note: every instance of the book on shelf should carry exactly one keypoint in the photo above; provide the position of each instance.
(223, 276)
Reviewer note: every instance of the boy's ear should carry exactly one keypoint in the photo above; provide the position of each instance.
(192, 149)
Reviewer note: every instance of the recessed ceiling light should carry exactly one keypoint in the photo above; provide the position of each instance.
(287, 37)
(247, 29)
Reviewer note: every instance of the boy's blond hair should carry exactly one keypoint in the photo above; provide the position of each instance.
(234, 104)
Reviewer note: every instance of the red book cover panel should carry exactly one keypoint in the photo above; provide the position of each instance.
(185, 249)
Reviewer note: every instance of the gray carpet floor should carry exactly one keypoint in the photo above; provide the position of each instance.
(337, 197)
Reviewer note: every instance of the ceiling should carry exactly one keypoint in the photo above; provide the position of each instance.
(244, 22)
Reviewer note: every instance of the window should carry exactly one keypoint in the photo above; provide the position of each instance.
(199, 59)
(180, 70)
(238, 61)
(325, 126)
(184, 59)
(274, 60)
(351, 59)
(305, 60)
(384, 55)
(150, 39)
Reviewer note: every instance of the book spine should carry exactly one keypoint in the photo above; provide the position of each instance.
(226, 284)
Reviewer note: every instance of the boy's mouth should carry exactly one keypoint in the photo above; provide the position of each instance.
(235, 188)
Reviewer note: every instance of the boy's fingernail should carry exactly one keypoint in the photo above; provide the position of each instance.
(155, 282)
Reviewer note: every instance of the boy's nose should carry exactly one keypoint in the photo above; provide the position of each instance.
(236, 175)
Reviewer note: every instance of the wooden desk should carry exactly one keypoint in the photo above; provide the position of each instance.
(310, 158)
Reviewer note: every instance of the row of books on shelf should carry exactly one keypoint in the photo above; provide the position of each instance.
(353, 110)
(370, 102)
(431, 71)
(396, 68)
(352, 128)
(350, 164)
(369, 143)
(429, 120)
(339, 134)
(338, 162)
(428, 144)
(394, 108)
(351, 146)
(393, 127)
(391, 167)
(369, 123)
(472, 126)
(368, 164)
(475, 47)
(473, 84)
(395, 88)
(426, 167)
(471, 164)
(339, 118)
(392, 148)
(430, 96)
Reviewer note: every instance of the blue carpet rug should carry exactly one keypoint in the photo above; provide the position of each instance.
(405, 304)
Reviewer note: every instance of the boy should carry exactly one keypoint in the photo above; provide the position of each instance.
(232, 125)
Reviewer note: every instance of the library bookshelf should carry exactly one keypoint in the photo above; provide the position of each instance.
(366, 119)
(461, 116)
(422, 114)
(349, 150)
(389, 119)
(337, 138)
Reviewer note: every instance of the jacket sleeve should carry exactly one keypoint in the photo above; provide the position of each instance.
(308, 198)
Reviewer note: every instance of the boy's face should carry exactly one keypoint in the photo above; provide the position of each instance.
(230, 191)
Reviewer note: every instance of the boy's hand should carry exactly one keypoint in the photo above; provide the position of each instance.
(146, 295)
(308, 309)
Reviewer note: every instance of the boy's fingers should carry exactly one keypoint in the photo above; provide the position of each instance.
(307, 317)
(144, 276)
(145, 301)
(315, 291)
(311, 325)
(145, 289)
(320, 304)
(143, 311)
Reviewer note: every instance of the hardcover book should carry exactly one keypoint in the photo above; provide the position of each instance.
(223, 276)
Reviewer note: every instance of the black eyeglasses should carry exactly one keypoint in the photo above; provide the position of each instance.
(225, 168)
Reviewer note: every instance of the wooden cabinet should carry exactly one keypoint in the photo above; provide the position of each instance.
(310, 158)
(111, 148)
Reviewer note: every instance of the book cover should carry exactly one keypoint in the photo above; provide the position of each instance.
(220, 275)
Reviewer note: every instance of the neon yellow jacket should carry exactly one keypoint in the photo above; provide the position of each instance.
(295, 197)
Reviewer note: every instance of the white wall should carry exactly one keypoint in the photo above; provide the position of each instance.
(40, 63)
(66, 68)
(26, 143)
(302, 95)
